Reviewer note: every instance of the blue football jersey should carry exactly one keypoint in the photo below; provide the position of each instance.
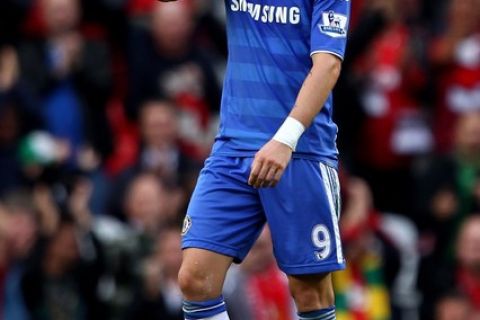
(270, 44)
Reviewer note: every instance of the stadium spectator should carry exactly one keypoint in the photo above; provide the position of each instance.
(70, 75)
(394, 129)
(18, 231)
(161, 152)
(148, 205)
(380, 279)
(9, 71)
(62, 278)
(446, 188)
(258, 290)
(159, 296)
(17, 116)
(357, 296)
(369, 21)
(164, 62)
(461, 274)
(454, 306)
(446, 196)
(52, 289)
(468, 256)
(455, 57)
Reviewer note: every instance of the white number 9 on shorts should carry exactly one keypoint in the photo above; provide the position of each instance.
(321, 240)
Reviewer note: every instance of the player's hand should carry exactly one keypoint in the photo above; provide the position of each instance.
(269, 164)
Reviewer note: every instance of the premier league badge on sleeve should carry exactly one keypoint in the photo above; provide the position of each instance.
(334, 24)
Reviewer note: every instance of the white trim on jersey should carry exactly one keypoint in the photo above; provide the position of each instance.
(327, 181)
(326, 51)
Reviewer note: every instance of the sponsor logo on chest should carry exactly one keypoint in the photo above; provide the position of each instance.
(267, 13)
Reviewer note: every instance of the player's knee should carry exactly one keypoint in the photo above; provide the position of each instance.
(195, 284)
(191, 283)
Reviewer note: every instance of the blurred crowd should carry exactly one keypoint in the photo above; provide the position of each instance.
(109, 107)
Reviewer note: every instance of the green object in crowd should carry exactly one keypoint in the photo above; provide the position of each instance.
(37, 148)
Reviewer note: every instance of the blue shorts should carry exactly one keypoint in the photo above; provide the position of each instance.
(226, 215)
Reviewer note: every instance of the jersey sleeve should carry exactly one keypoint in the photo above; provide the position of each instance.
(329, 28)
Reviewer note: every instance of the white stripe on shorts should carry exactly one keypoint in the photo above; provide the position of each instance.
(333, 195)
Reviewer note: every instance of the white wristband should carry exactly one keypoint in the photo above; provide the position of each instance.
(290, 132)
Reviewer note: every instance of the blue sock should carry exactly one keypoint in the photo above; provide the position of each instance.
(204, 309)
(323, 314)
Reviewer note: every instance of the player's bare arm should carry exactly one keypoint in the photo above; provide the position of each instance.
(272, 159)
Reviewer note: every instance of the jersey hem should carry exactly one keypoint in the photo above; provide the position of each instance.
(312, 269)
(251, 154)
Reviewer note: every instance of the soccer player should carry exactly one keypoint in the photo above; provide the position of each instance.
(275, 157)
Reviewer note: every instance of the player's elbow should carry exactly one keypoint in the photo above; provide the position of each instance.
(329, 64)
(333, 66)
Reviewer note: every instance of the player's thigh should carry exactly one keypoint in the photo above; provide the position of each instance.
(225, 215)
(302, 212)
(202, 273)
